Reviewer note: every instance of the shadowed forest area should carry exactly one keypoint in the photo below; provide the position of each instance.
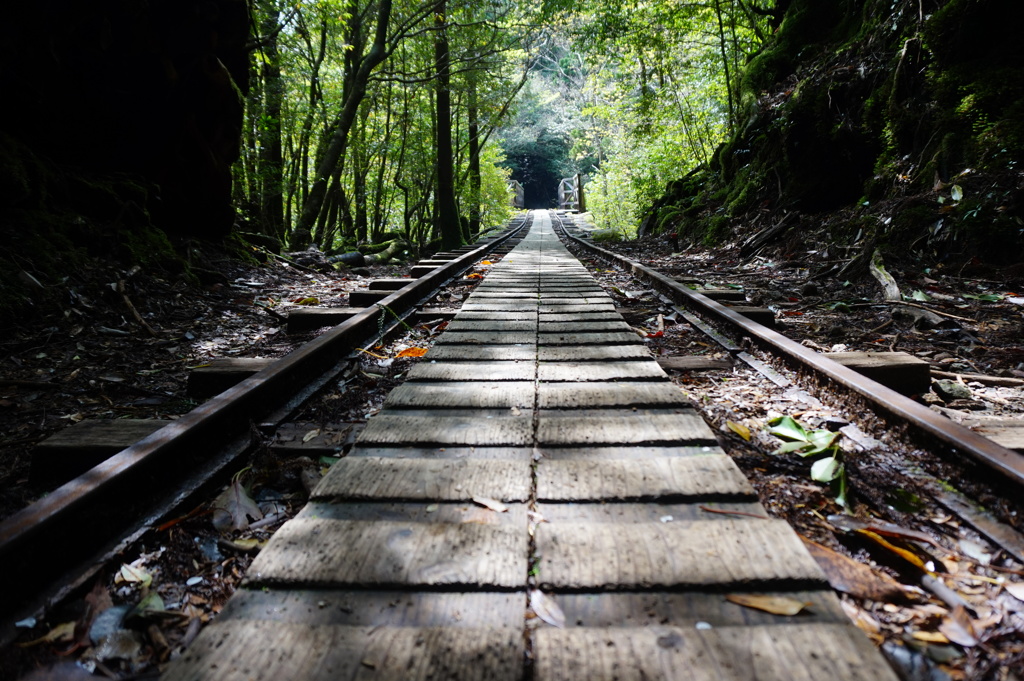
(136, 130)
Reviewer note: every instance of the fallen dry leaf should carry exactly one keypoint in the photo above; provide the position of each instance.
(959, 628)
(1016, 590)
(776, 605)
(62, 632)
(310, 435)
(847, 575)
(547, 609)
(412, 352)
(133, 575)
(492, 504)
(739, 429)
(930, 637)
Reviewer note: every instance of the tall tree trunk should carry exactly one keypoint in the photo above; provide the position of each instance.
(362, 67)
(446, 212)
(271, 159)
(725, 63)
(474, 159)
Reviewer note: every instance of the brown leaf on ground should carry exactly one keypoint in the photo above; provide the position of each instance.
(847, 575)
(776, 605)
(959, 628)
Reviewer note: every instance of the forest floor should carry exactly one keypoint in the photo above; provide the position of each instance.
(960, 324)
(93, 359)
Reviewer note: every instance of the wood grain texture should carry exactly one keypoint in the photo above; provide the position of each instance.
(632, 429)
(319, 607)
(355, 478)
(606, 394)
(811, 652)
(685, 609)
(459, 324)
(324, 552)
(549, 308)
(723, 553)
(253, 650)
(582, 317)
(473, 353)
(487, 337)
(450, 370)
(467, 394)
(698, 477)
(600, 371)
(582, 353)
(583, 338)
(520, 315)
(472, 428)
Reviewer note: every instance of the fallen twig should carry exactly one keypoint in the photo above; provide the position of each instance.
(131, 308)
(723, 512)
(1000, 381)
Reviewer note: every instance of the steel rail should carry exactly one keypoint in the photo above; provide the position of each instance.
(47, 547)
(953, 436)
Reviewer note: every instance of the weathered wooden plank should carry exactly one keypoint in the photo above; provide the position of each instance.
(253, 650)
(326, 607)
(697, 477)
(299, 439)
(571, 299)
(732, 295)
(900, 371)
(388, 284)
(761, 315)
(798, 652)
(600, 371)
(467, 394)
(627, 452)
(473, 370)
(430, 513)
(682, 514)
(518, 453)
(222, 373)
(363, 477)
(513, 315)
(549, 308)
(611, 316)
(301, 320)
(500, 427)
(606, 394)
(583, 353)
(597, 338)
(337, 553)
(687, 608)
(500, 306)
(75, 449)
(580, 326)
(569, 429)
(459, 324)
(1007, 432)
(366, 297)
(720, 553)
(474, 353)
(487, 338)
(488, 295)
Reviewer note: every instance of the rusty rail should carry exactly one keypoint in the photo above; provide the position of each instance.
(923, 421)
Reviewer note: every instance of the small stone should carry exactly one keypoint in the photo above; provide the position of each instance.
(949, 390)
(809, 289)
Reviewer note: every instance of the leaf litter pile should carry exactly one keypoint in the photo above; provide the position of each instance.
(940, 599)
(143, 611)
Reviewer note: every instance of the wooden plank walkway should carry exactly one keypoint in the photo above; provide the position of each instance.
(537, 446)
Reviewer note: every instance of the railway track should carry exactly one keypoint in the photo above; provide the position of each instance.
(930, 428)
(59, 542)
(538, 501)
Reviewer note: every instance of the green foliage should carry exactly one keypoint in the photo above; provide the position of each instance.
(823, 444)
